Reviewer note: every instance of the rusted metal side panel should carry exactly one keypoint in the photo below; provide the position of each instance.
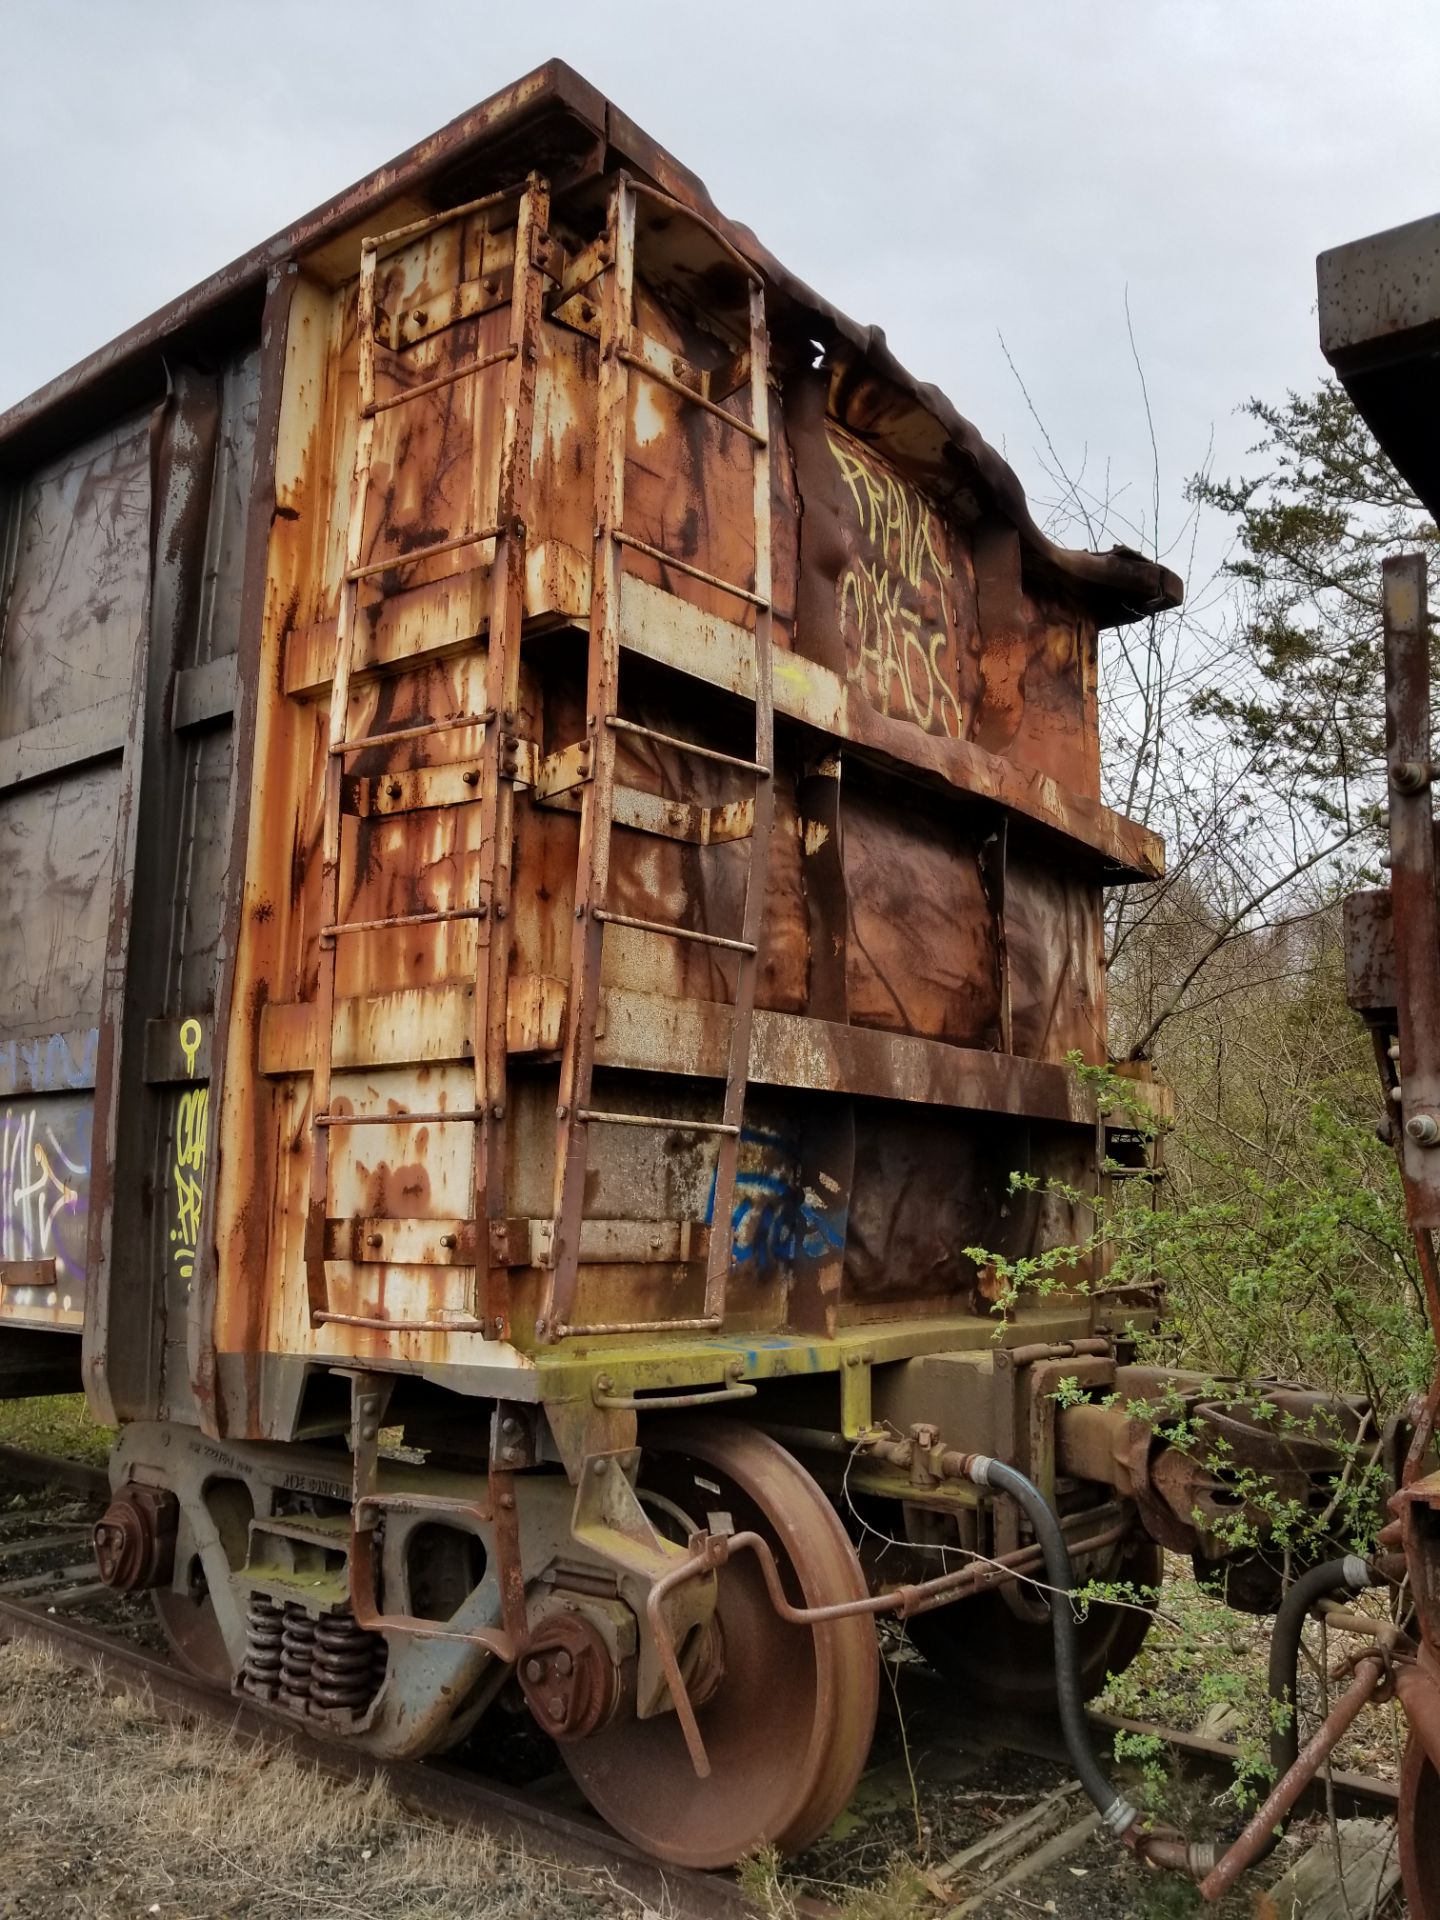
(116, 684)
(73, 611)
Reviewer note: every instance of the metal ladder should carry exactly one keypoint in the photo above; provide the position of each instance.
(575, 1114)
(487, 778)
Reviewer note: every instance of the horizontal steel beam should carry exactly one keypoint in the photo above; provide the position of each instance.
(63, 745)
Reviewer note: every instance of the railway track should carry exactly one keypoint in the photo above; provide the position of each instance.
(933, 1762)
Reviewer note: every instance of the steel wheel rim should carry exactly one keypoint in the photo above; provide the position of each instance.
(813, 1692)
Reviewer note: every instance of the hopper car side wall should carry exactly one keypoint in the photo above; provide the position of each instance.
(118, 635)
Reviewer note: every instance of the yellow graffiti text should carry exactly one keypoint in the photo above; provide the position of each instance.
(894, 520)
(191, 1123)
(900, 665)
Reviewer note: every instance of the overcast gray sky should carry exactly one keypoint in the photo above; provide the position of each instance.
(953, 172)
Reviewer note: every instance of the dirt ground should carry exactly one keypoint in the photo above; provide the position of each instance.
(109, 1811)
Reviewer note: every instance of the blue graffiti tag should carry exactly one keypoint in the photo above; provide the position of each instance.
(775, 1219)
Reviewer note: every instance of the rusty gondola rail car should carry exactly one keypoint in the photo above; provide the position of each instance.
(552, 870)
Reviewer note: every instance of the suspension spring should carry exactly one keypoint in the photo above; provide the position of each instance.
(297, 1657)
(346, 1670)
(264, 1635)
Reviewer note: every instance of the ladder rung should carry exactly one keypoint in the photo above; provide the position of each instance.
(432, 221)
(434, 386)
(684, 566)
(398, 1326)
(689, 746)
(676, 933)
(653, 1120)
(415, 733)
(696, 399)
(470, 1115)
(425, 553)
(702, 1324)
(404, 920)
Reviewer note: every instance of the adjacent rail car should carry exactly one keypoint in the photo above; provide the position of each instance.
(553, 868)
(1380, 330)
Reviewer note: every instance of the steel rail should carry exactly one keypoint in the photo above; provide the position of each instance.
(48, 1470)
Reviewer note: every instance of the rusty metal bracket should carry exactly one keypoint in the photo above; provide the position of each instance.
(364, 1572)
(611, 1524)
(369, 1397)
(513, 1435)
(561, 772)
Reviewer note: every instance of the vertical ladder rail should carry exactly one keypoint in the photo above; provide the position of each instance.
(737, 1067)
(597, 798)
(574, 1113)
(497, 792)
(333, 783)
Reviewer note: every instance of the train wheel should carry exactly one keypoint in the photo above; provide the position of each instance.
(788, 1727)
(191, 1627)
(1008, 1663)
(1420, 1832)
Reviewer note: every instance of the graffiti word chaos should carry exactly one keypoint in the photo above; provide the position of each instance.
(188, 1174)
(901, 659)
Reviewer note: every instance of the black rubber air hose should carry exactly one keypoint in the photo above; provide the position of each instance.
(1116, 1811)
(1350, 1574)
(1333, 1576)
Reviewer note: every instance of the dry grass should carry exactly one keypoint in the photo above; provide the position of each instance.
(110, 1811)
